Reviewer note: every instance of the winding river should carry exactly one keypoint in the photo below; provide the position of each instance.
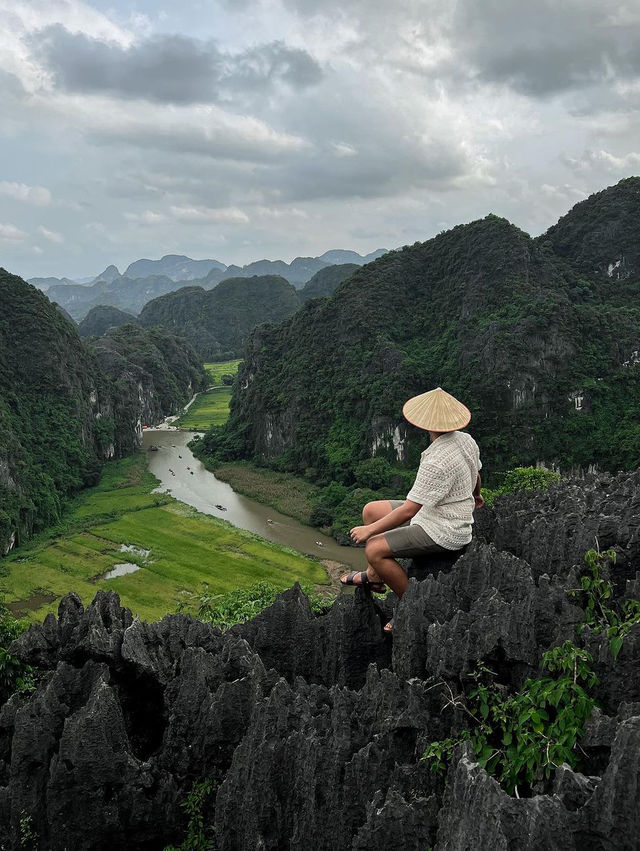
(187, 479)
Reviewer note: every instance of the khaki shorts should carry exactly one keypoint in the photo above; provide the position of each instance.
(410, 540)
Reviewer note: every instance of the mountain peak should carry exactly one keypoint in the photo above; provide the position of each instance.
(111, 273)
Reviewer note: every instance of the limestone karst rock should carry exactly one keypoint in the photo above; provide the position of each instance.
(311, 727)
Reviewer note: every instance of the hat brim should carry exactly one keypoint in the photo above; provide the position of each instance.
(442, 421)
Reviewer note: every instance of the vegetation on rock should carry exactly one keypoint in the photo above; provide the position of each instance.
(217, 322)
(543, 350)
(102, 318)
(66, 406)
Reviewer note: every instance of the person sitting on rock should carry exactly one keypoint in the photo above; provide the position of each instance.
(437, 514)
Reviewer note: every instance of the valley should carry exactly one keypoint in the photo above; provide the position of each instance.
(176, 547)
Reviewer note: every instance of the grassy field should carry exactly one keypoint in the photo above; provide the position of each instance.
(217, 370)
(286, 493)
(186, 549)
(209, 408)
(212, 407)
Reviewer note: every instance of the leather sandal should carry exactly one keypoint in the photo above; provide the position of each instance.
(365, 582)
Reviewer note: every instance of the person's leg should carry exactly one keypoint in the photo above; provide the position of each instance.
(370, 513)
(380, 556)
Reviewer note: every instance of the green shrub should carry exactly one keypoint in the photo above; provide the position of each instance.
(196, 838)
(349, 513)
(521, 738)
(242, 604)
(522, 479)
(602, 612)
(373, 473)
(14, 675)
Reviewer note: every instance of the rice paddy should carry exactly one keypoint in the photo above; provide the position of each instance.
(211, 407)
(186, 548)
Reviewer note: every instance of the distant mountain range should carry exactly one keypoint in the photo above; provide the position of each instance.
(179, 267)
(216, 322)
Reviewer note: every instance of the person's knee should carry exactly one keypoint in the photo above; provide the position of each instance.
(369, 513)
(375, 549)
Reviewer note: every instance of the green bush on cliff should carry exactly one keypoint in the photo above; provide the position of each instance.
(522, 479)
(521, 738)
(14, 675)
(243, 604)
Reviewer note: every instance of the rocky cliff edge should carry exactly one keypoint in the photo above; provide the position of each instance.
(312, 728)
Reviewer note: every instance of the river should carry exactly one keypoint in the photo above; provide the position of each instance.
(192, 483)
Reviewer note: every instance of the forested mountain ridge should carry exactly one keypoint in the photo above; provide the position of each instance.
(101, 318)
(602, 234)
(65, 407)
(216, 322)
(325, 282)
(543, 350)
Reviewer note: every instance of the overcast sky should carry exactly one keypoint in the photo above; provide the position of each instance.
(243, 129)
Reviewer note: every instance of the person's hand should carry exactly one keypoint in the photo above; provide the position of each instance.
(479, 501)
(360, 534)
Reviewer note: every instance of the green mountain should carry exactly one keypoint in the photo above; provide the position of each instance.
(66, 406)
(537, 337)
(101, 318)
(217, 322)
(325, 282)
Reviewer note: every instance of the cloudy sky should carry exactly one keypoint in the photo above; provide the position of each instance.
(242, 129)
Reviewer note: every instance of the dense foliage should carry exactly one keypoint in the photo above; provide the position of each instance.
(101, 319)
(521, 479)
(217, 322)
(65, 407)
(543, 351)
(326, 281)
(14, 674)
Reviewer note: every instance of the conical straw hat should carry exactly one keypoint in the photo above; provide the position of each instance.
(436, 410)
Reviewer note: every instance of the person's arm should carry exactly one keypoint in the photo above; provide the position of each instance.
(398, 517)
(476, 493)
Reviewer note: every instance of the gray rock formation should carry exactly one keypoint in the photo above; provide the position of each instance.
(312, 728)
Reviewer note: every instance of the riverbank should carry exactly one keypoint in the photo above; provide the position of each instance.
(285, 492)
(170, 547)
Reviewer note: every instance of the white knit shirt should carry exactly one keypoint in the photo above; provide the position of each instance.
(444, 488)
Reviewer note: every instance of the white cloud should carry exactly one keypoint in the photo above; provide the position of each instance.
(10, 233)
(204, 215)
(37, 195)
(146, 218)
(51, 235)
(342, 149)
(604, 161)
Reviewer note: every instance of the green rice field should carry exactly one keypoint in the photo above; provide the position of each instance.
(217, 370)
(209, 408)
(185, 549)
(212, 407)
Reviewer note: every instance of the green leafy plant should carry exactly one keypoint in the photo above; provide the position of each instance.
(242, 604)
(196, 838)
(522, 479)
(28, 838)
(520, 738)
(602, 612)
(14, 674)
